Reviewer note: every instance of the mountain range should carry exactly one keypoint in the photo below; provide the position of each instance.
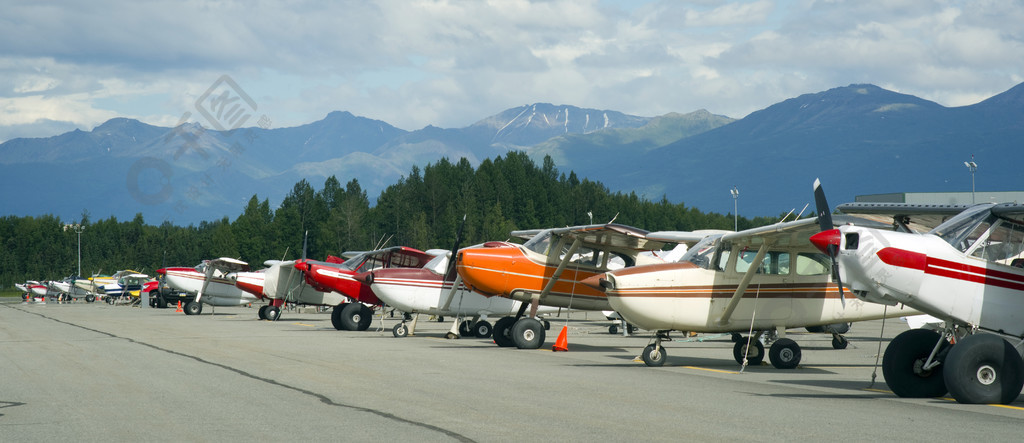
(859, 139)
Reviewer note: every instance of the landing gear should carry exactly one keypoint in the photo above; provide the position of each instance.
(400, 330)
(482, 329)
(272, 313)
(905, 360)
(193, 308)
(784, 354)
(983, 368)
(336, 316)
(502, 332)
(754, 353)
(839, 342)
(263, 313)
(354, 317)
(89, 298)
(654, 354)
(528, 333)
(466, 328)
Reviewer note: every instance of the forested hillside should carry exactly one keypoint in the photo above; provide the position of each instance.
(422, 210)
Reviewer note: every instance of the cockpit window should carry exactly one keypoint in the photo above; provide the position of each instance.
(438, 264)
(701, 254)
(1002, 242)
(539, 243)
(963, 230)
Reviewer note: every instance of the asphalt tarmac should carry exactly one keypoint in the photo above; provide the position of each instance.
(95, 372)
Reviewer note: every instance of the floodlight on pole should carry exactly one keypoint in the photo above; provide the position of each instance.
(735, 211)
(77, 228)
(973, 167)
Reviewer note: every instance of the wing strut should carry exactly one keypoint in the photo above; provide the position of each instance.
(210, 268)
(554, 277)
(738, 295)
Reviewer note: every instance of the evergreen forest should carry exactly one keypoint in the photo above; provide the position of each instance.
(423, 210)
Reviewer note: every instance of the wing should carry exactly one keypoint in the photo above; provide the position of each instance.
(612, 234)
(793, 233)
(227, 264)
(915, 217)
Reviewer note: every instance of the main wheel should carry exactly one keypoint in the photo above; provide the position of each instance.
(502, 332)
(336, 316)
(365, 317)
(272, 313)
(983, 368)
(784, 354)
(654, 355)
(262, 312)
(351, 316)
(613, 329)
(465, 328)
(193, 308)
(903, 361)
(400, 330)
(161, 302)
(528, 333)
(839, 342)
(482, 329)
(89, 298)
(754, 352)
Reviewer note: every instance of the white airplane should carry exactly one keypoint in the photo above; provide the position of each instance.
(433, 290)
(210, 283)
(966, 272)
(762, 280)
(280, 283)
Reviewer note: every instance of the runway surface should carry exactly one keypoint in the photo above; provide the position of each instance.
(95, 372)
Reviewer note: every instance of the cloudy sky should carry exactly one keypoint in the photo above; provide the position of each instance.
(66, 65)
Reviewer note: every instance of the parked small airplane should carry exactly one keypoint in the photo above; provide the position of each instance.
(338, 277)
(280, 283)
(966, 272)
(548, 269)
(432, 290)
(210, 283)
(762, 280)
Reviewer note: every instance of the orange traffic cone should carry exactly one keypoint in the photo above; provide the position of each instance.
(562, 344)
(179, 307)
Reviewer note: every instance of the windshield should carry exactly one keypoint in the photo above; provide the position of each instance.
(701, 253)
(438, 264)
(966, 227)
(539, 243)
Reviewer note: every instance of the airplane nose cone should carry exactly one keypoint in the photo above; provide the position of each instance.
(596, 282)
(824, 239)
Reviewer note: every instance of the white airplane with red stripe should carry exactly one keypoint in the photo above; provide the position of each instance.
(967, 272)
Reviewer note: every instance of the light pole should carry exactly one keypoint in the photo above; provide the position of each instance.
(972, 166)
(735, 212)
(78, 230)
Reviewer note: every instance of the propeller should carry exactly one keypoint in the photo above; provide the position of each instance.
(828, 239)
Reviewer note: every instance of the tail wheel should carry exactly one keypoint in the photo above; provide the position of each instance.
(839, 342)
(903, 365)
(654, 355)
(983, 368)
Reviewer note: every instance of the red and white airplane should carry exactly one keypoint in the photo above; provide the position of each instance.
(549, 270)
(210, 283)
(280, 283)
(433, 290)
(339, 277)
(967, 272)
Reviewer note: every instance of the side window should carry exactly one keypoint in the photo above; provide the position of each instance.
(774, 263)
(808, 263)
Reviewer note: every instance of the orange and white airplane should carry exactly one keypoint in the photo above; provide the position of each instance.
(548, 269)
(759, 281)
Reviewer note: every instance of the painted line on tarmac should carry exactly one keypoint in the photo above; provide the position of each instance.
(721, 371)
(323, 398)
(304, 324)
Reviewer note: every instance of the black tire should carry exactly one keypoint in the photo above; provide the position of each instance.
(784, 354)
(365, 317)
(902, 361)
(262, 313)
(982, 369)
(630, 329)
(613, 329)
(735, 337)
(400, 330)
(839, 342)
(528, 333)
(465, 328)
(161, 302)
(336, 316)
(193, 308)
(654, 355)
(502, 332)
(351, 315)
(482, 329)
(547, 325)
(272, 313)
(755, 353)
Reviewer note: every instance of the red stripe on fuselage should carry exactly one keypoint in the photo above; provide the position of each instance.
(950, 269)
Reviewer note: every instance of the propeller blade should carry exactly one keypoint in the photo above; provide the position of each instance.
(455, 249)
(305, 237)
(835, 275)
(821, 206)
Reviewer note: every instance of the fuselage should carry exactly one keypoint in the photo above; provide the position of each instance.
(284, 281)
(221, 290)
